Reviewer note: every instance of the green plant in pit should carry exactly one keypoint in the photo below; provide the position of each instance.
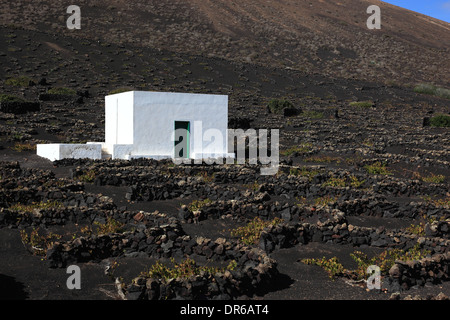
(350, 181)
(304, 172)
(303, 148)
(324, 159)
(250, 233)
(434, 178)
(88, 176)
(39, 243)
(334, 182)
(10, 98)
(419, 228)
(20, 147)
(42, 205)
(312, 114)
(385, 260)
(183, 270)
(205, 177)
(324, 201)
(20, 81)
(355, 182)
(197, 205)
(377, 168)
(252, 186)
(438, 202)
(332, 266)
(111, 226)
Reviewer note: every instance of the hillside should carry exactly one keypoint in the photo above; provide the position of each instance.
(327, 37)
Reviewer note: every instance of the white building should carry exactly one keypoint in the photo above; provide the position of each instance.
(141, 124)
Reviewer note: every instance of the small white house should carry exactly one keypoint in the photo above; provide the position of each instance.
(142, 124)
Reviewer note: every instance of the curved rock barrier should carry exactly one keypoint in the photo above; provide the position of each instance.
(254, 271)
(433, 270)
(337, 230)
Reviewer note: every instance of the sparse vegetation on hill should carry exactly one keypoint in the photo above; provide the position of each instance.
(441, 120)
(431, 89)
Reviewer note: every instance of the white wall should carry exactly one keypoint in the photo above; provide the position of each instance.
(155, 114)
(58, 151)
(119, 118)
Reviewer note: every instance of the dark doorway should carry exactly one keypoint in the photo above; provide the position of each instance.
(182, 139)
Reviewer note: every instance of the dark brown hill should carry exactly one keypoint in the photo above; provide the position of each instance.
(328, 37)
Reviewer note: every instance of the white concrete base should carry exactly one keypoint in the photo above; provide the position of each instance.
(58, 151)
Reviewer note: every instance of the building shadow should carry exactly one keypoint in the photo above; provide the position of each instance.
(10, 289)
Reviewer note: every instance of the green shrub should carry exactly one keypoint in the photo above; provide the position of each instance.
(303, 148)
(425, 88)
(39, 243)
(431, 89)
(440, 120)
(21, 81)
(332, 266)
(304, 172)
(385, 260)
(250, 233)
(361, 104)
(28, 208)
(183, 270)
(10, 98)
(312, 114)
(278, 105)
(443, 93)
(377, 168)
(198, 204)
(88, 176)
(62, 91)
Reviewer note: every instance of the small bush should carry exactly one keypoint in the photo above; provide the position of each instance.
(303, 148)
(88, 176)
(384, 260)
(427, 88)
(111, 226)
(312, 114)
(440, 120)
(434, 178)
(28, 208)
(20, 147)
(277, 105)
(62, 91)
(183, 270)
(361, 104)
(21, 81)
(377, 168)
(39, 243)
(304, 172)
(10, 98)
(443, 93)
(332, 266)
(251, 233)
(197, 205)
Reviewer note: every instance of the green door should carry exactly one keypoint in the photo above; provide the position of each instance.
(182, 139)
